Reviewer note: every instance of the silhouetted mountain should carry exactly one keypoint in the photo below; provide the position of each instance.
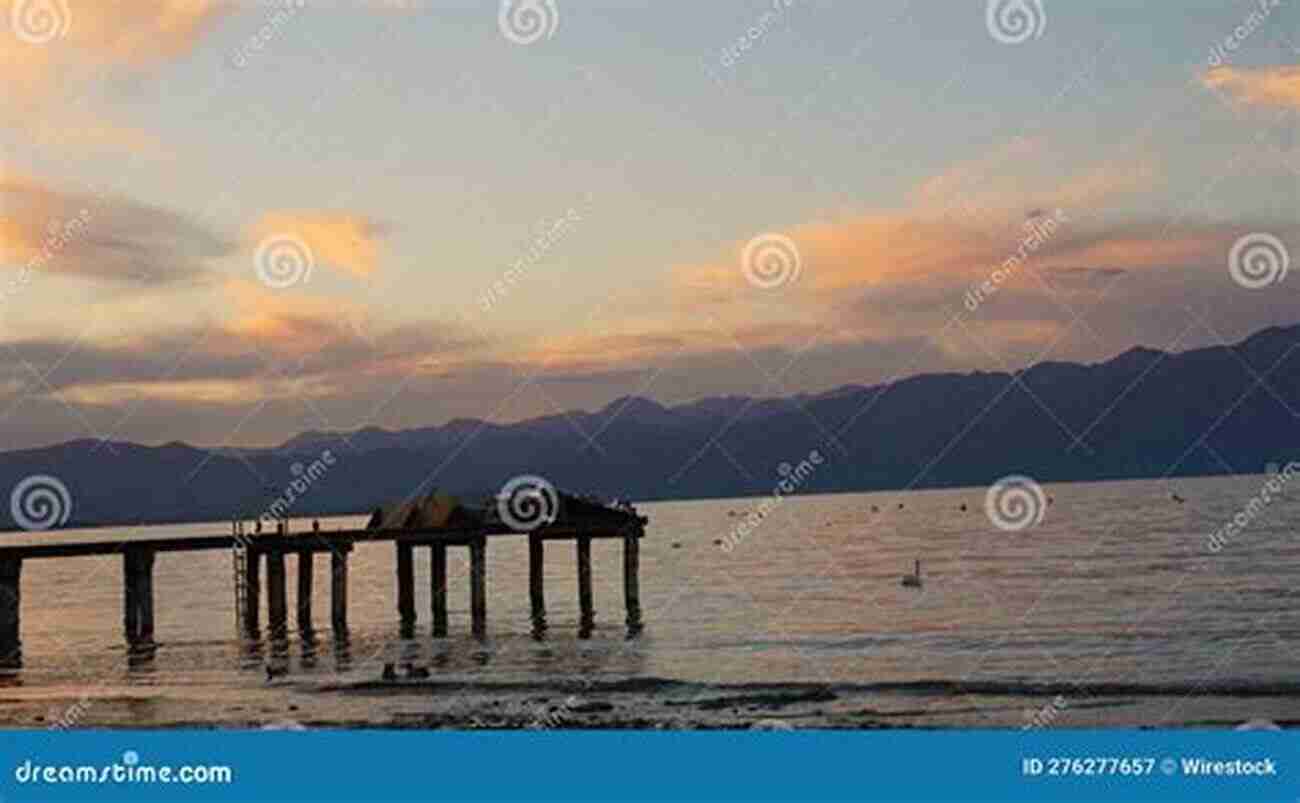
(1144, 413)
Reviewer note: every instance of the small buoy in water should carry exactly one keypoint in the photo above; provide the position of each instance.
(717, 542)
(963, 507)
(677, 544)
(900, 505)
(875, 509)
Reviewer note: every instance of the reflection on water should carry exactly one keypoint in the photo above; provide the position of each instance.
(1116, 584)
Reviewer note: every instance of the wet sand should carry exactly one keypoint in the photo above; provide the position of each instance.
(648, 704)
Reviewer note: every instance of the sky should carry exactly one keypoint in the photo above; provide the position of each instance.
(227, 223)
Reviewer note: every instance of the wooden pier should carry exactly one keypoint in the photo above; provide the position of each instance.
(272, 549)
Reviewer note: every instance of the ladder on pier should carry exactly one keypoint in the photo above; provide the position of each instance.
(239, 555)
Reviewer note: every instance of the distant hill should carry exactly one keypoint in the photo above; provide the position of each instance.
(1142, 414)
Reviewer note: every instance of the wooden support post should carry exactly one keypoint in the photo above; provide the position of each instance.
(137, 596)
(277, 598)
(587, 614)
(438, 588)
(406, 588)
(537, 583)
(632, 581)
(10, 608)
(252, 591)
(144, 568)
(130, 599)
(339, 589)
(304, 590)
(478, 588)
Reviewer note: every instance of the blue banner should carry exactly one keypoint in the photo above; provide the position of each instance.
(606, 766)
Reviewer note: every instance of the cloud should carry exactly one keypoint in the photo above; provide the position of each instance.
(345, 242)
(99, 236)
(1275, 87)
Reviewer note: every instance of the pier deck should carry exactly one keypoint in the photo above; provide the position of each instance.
(254, 552)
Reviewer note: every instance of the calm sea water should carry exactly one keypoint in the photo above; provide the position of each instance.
(1116, 585)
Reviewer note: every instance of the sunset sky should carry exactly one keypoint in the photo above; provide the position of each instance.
(227, 223)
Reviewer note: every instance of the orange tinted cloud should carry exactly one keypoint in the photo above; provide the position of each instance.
(344, 242)
(1277, 87)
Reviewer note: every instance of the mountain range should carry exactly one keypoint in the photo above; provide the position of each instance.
(1145, 413)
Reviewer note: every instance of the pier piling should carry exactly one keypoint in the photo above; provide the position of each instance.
(10, 607)
(339, 590)
(252, 592)
(438, 588)
(406, 588)
(304, 590)
(478, 588)
(277, 602)
(632, 581)
(537, 583)
(137, 596)
(587, 613)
